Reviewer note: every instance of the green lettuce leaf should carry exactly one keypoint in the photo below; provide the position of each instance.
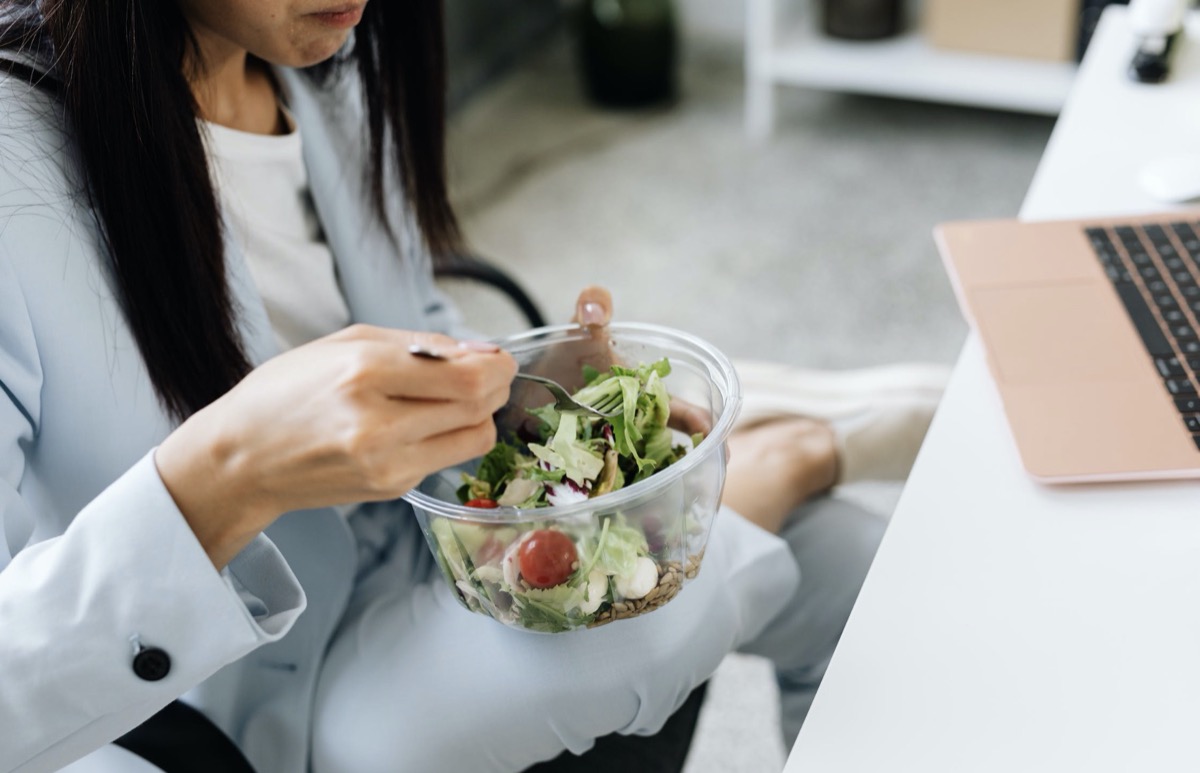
(618, 548)
(575, 444)
(567, 453)
(497, 465)
(658, 446)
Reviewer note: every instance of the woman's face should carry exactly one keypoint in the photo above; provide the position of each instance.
(291, 33)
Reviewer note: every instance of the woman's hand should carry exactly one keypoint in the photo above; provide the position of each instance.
(351, 417)
(593, 310)
(564, 363)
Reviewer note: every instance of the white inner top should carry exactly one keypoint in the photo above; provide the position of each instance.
(263, 184)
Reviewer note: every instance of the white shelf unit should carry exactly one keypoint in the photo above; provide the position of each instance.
(796, 54)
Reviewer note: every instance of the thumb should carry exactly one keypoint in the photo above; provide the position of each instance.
(594, 307)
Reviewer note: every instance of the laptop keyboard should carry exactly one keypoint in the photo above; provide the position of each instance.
(1154, 269)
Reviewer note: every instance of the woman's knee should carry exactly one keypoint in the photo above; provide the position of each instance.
(452, 691)
(834, 543)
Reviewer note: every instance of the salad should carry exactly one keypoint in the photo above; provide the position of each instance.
(578, 456)
(558, 575)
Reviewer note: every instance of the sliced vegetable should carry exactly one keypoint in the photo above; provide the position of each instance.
(577, 455)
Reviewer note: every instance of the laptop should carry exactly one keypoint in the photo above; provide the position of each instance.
(1092, 333)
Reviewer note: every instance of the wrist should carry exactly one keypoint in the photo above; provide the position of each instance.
(206, 474)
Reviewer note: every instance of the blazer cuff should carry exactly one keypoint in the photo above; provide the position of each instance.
(121, 614)
(266, 587)
(256, 597)
(162, 589)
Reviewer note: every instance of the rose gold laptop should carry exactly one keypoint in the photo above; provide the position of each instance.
(1091, 331)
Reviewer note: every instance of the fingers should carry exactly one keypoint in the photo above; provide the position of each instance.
(471, 378)
(418, 420)
(442, 346)
(593, 310)
(384, 465)
(457, 446)
(471, 371)
(594, 307)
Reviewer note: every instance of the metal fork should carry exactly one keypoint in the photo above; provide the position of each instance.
(563, 400)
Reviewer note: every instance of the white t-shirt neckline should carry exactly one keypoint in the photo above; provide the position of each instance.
(263, 186)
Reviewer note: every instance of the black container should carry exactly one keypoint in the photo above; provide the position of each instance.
(629, 51)
(863, 19)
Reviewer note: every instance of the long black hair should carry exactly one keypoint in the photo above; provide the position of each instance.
(118, 67)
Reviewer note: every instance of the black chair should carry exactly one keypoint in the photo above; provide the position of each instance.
(664, 752)
(474, 268)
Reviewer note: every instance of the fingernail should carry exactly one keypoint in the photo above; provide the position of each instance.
(592, 313)
(479, 346)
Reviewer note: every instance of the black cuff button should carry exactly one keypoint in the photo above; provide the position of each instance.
(151, 664)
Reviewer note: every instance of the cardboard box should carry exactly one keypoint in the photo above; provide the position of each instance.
(1033, 29)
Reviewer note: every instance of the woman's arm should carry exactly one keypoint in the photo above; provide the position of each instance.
(127, 569)
(157, 559)
(352, 417)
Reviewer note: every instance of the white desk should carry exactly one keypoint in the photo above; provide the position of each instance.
(1007, 626)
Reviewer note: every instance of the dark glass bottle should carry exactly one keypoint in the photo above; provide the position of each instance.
(863, 19)
(629, 51)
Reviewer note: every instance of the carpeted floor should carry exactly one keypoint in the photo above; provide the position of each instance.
(814, 248)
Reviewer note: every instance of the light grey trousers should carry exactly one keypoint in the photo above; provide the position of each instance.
(413, 682)
(833, 542)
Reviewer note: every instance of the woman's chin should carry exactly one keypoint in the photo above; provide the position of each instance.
(311, 52)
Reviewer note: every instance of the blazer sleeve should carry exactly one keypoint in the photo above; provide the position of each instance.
(441, 314)
(103, 625)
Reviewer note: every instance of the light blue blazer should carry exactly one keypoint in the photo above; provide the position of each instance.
(95, 558)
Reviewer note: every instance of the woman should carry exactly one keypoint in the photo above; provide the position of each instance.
(216, 218)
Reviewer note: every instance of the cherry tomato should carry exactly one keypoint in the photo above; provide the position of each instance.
(487, 504)
(547, 558)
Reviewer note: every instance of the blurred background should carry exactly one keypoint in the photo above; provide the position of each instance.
(763, 173)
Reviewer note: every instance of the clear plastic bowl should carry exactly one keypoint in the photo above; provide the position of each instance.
(674, 508)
